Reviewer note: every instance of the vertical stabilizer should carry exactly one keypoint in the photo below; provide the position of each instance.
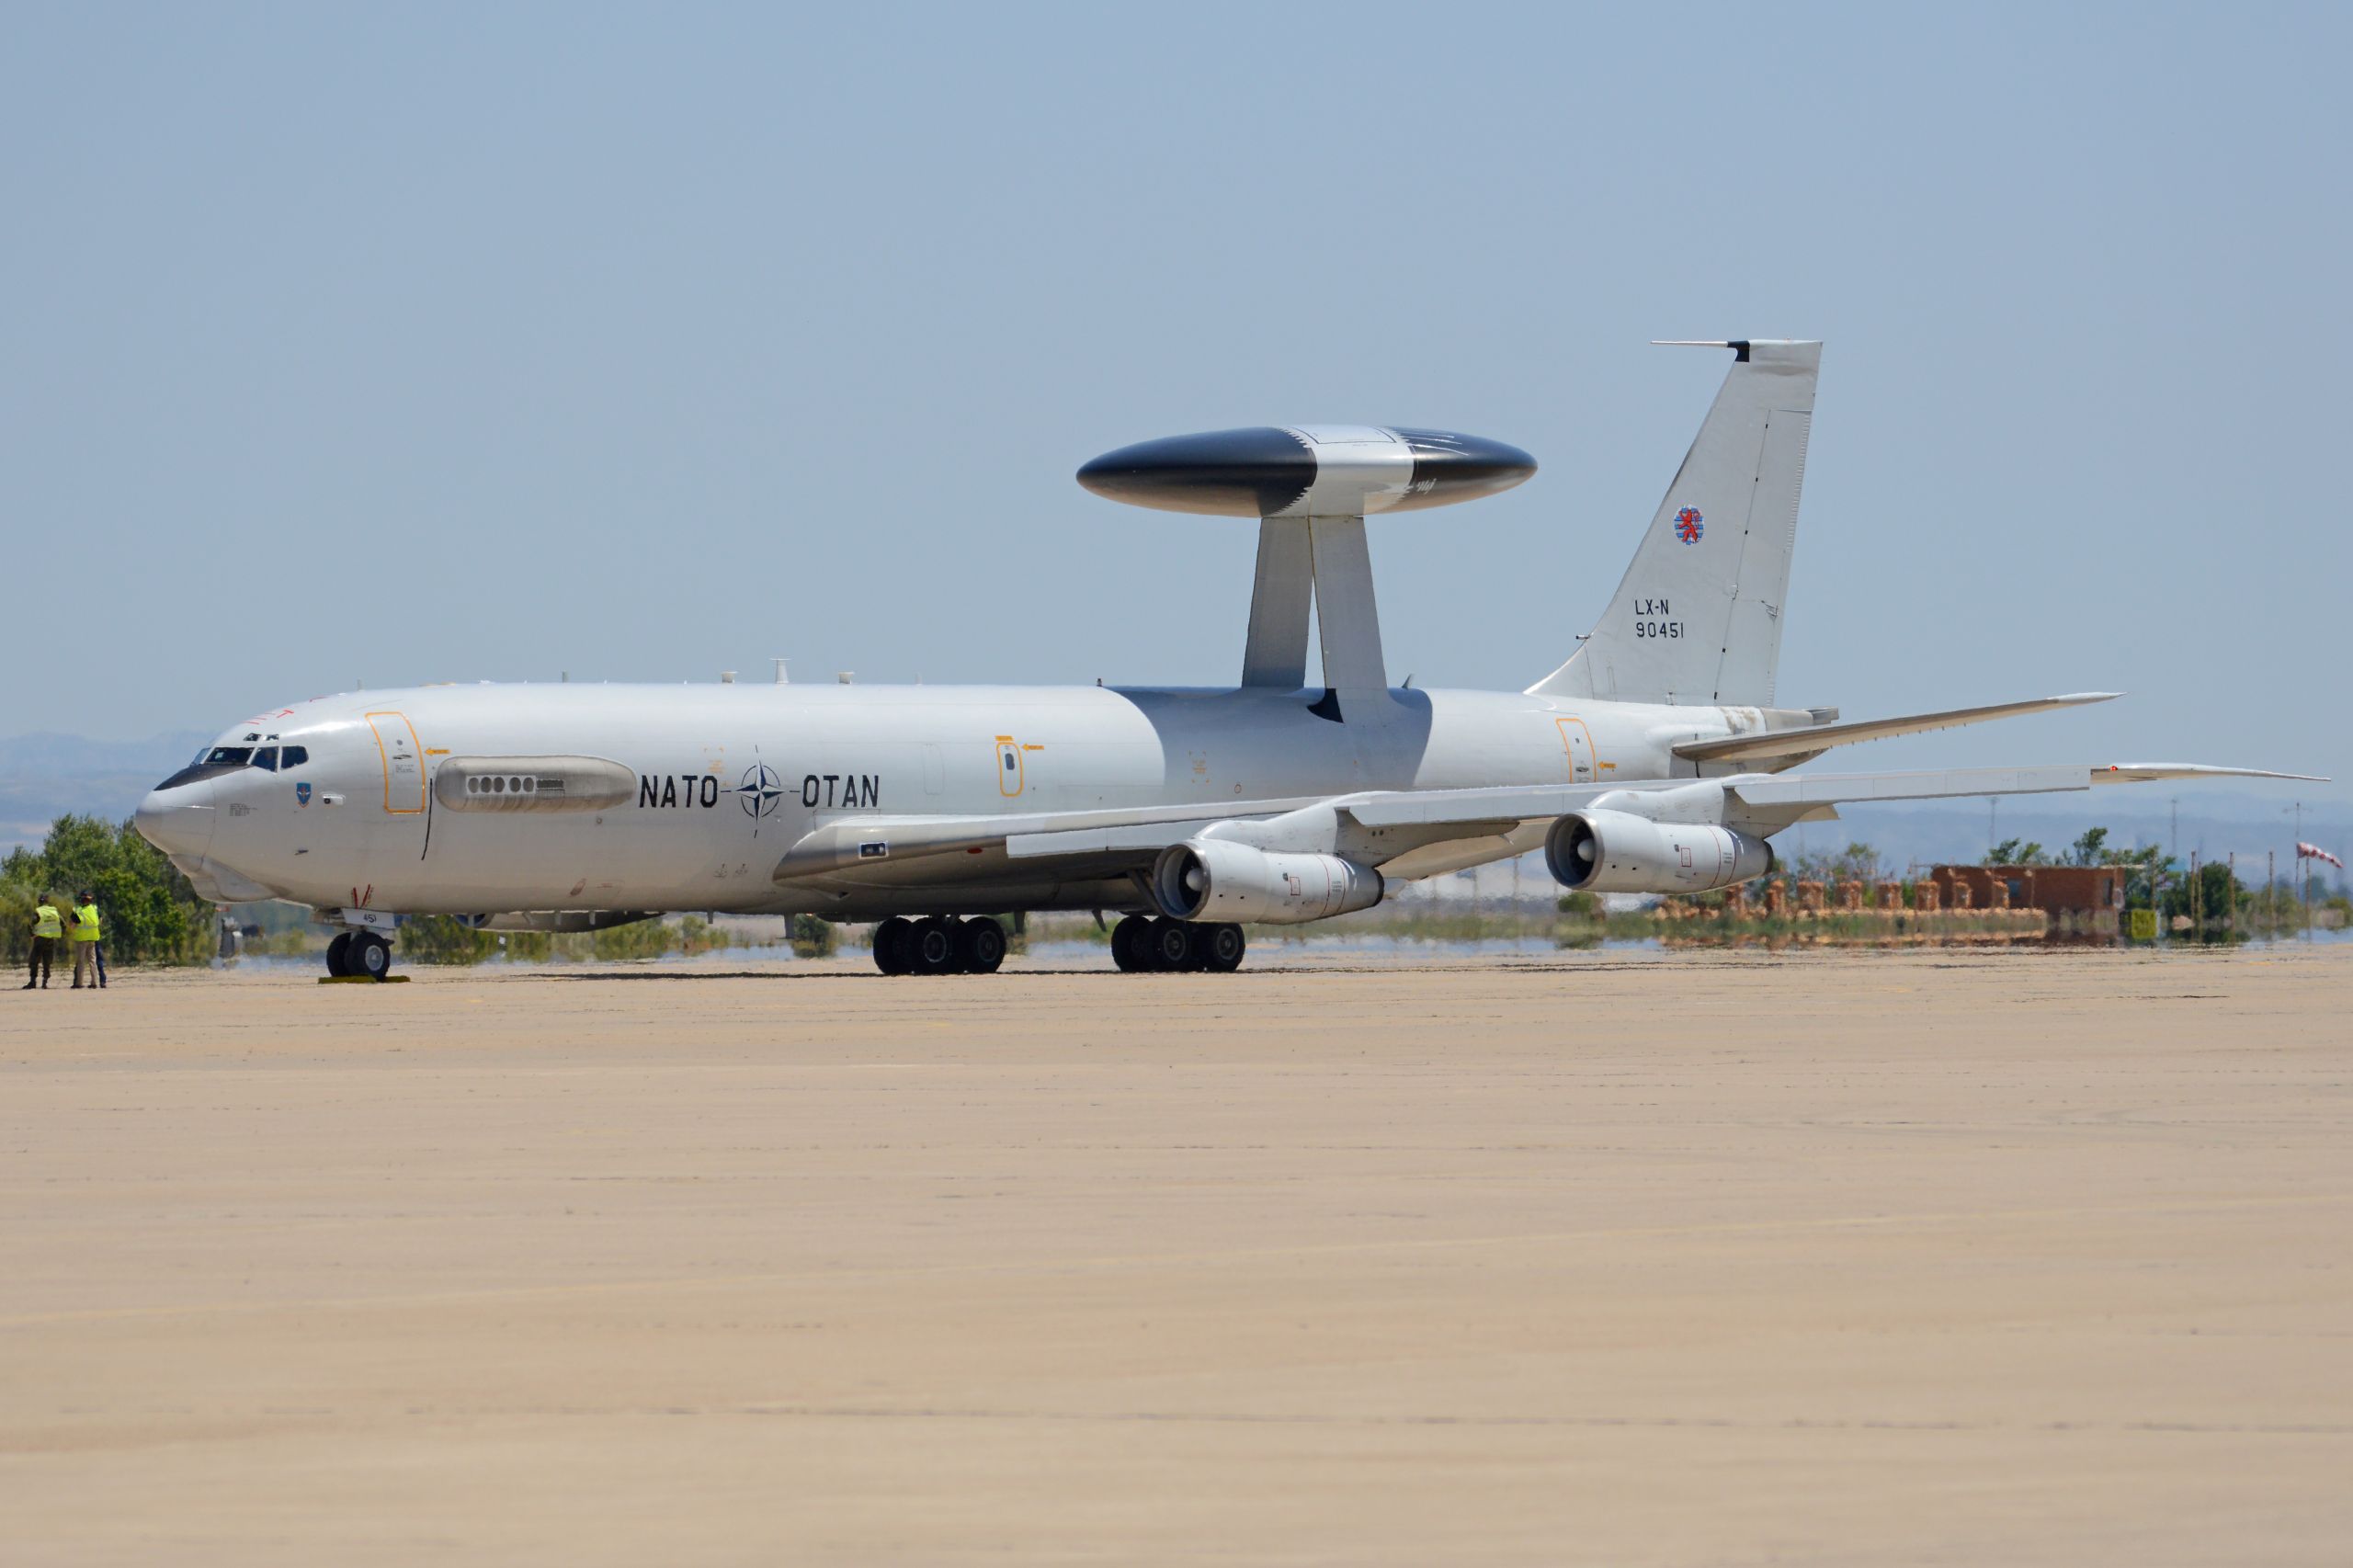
(1698, 618)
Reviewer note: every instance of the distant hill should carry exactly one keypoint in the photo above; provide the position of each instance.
(42, 777)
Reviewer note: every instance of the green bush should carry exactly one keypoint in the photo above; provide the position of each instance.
(639, 940)
(813, 937)
(527, 947)
(149, 913)
(444, 939)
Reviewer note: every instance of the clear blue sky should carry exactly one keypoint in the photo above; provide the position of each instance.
(408, 344)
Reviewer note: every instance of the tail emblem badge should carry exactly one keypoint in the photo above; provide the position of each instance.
(1687, 524)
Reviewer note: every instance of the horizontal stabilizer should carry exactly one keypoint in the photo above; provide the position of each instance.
(2149, 772)
(1813, 739)
(1932, 784)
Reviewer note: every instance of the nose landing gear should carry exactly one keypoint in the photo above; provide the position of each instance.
(360, 955)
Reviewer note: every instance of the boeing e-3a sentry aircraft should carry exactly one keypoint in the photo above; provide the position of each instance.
(1653, 760)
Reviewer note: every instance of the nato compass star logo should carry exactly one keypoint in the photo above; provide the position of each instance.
(760, 790)
(1687, 524)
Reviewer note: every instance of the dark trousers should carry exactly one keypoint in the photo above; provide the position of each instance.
(98, 951)
(44, 949)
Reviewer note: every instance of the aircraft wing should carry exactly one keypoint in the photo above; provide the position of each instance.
(1767, 803)
(1795, 745)
(1403, 832)
(899, 851)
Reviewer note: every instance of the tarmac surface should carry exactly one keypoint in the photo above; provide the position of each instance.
(1821, 1258)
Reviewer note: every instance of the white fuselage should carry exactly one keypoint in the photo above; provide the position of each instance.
(722, 779)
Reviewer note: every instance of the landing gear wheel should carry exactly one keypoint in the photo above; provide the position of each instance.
(1127, 945)
(894, 944)
(980, 946)
(933, 948)
(371, 955)
(1220, 947)
(1170, 944)
(339, 955)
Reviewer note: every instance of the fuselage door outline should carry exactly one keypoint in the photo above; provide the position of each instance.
(1576, 740)
(404, 762)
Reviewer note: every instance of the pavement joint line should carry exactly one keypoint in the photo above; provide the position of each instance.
(1154, 1260)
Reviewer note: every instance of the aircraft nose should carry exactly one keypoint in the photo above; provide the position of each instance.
(177, 820)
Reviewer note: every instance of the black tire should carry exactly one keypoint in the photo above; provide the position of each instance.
(339, 955)
(893, 940)
(932, 947)
(1220, 947)
(980, 946)
(1170, 945)
(371, 956)
(1127, 945)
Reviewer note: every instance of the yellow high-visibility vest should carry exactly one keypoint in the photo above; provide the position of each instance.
(85, 923)
(46, 922)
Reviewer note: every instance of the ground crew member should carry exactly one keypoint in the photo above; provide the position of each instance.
(46, 928)
(86, 939)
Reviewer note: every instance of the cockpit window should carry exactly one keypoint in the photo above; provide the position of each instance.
(214, 761)
(212, 764)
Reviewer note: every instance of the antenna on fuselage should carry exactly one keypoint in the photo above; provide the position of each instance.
(781, 678)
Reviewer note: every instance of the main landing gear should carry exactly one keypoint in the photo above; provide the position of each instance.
(1147, 944)
(360, 955)
(938, 945)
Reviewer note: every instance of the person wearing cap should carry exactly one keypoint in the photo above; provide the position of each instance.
(48, 927)
(86, 940)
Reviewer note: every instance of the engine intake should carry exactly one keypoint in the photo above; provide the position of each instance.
(1605, 851)
(1211, 879)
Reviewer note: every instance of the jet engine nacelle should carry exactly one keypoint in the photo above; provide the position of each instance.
(1214, 879)
(1603, 851)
